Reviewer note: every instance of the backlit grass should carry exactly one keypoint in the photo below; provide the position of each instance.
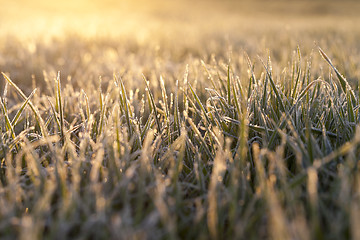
(186, 134)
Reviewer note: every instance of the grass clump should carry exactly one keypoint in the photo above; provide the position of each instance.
(223, 155)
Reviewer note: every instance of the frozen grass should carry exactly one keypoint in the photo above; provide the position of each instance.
(216, 155)
(186, 135)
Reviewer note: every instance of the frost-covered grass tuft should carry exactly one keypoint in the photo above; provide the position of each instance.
(215, 154)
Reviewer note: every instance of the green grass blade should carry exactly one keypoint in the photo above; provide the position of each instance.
(39, 119)
(297, 77)
(197, 99)
(102, 115)
(276, 91)
(202, 140)
(166, 108)
(343, 82)
(57, 121)
(61, 110)
(252, 77)
(18, 114)
(228, 85)
(350, 110)
(8, 125)
(153, 105)
(177, 126)
(88, 112)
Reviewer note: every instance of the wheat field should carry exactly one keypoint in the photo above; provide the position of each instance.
(179, 119)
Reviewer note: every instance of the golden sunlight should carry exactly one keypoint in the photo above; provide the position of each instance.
(141, 18)
(179, 119)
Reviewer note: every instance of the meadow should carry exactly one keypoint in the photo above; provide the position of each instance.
(180, 120)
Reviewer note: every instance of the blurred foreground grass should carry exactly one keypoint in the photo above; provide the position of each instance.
(174, 120)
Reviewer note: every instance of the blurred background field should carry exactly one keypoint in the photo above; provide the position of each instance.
(109, 36)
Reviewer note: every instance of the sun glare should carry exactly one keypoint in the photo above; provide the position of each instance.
(40, 17)
(44, 18)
